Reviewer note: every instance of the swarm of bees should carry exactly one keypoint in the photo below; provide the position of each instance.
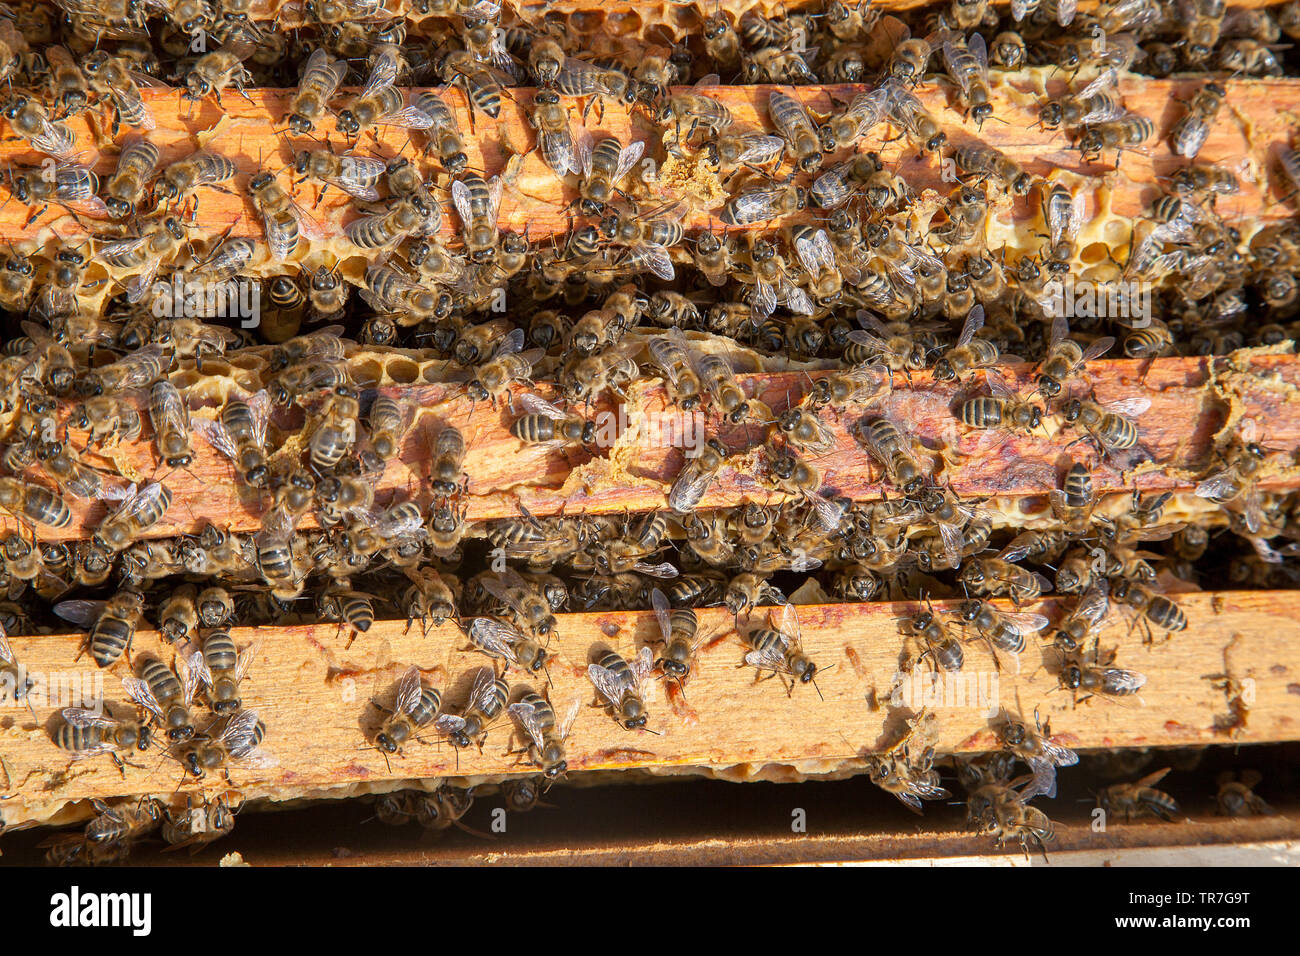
(819, 252)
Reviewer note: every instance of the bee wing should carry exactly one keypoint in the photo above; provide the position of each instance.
(167, 408)
(663, 612)
(259, 405)
(495, 187)
(643, 664)
(139, 692)
(953, 543)
(627, 158)
(796, 299)
(1107, 79)
(1094, 603)
(763, 301)
(143, 500)
(664, 570)
(507, 595)
(583, 150)
(1044, 779)
(952, 56)
(1252, 510)
(536, 405)
(980, 51)
(448, 723)
(240, 733)
(998, 386)
(495, 637)
(525, 716)
(761, 149)
(1025, 621)
(1060, 330)
(82, 612)
(566, 725)
(1191, 137)
(512, 343)
(408, 691)
(653, 258)
(6, 652)
(1060, 756)
(815, 252)
(752, 206)
(80, 717)
(790, 625)
(974, 322)
(559, 146)
(242, 663)
(192, 669)
(463, 201)
(1124, 681)
(481, 694)
(689, 488)
(382, 74)
(1098, 348)
(611, 686)
(1128, 407)
(357, 176)
(771, 658)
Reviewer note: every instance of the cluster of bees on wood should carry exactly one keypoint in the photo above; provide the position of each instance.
(819, 259)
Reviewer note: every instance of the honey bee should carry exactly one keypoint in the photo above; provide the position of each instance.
(604, 163)
(544, 423)
(487, 700)
(779, 648)
(681, 641)
(1004, 630)
(73, 186)
(1074, 503)
(696, 476)
(1008, 50)
(282, 218)
(793, 123)
(240, 434)
(1077, 632)
(141, 509)
(171, 425)
(431, 597)
(919, 125)
(1066, 358)
(443, 133)
(1138, 798)
(1035, 747)
(906, 769)
(527, 604)
(321, 77)
(970, 353)
(1108, 425)
(481, 84)
(697, 108)
(508, 364)
(992, 163)
(998, 809)
(1237, 482)
(770, 64)
(216, 72)
(945, 650)
(1093, 104)
(1236, 796)
(502, 640)
(31, 122)
(1128, 132)
(358, 176)
(967, 63)
(763, 203)
(112, 623)
(88, 733)
(1002, 408)
(477, 203)
(619, 682)
(535, 718)
(238, 740)
(896, 451)
(1078, 673)
(381, 102)
(1190, 133)
(862, 384)
(166, 695)
(196, 827)
(178, 616)
(1156, 608)
(551, 120)
(126, 187)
